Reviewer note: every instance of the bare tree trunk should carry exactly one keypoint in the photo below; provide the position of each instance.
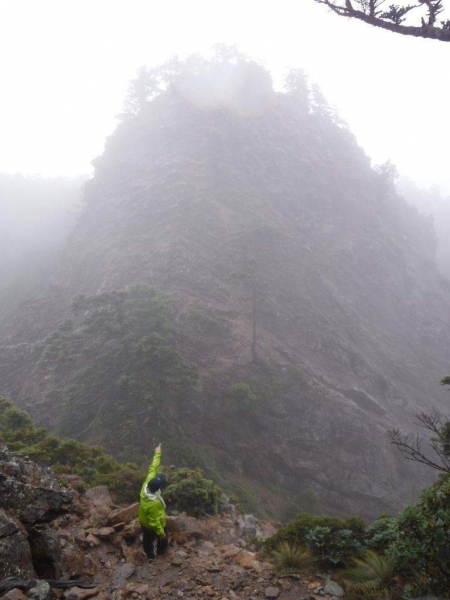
(254, 320)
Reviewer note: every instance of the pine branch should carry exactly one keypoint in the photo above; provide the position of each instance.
(393, 19)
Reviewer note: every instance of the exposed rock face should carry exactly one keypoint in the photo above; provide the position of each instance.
(31, 492)
(29, 496)
(277, 223)
(207, 557)
(15, 553)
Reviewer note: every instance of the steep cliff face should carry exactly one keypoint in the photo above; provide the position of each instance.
(298, 272)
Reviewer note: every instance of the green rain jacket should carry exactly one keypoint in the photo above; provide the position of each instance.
(152, 514)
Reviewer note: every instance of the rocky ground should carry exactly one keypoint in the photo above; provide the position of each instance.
(90, 542)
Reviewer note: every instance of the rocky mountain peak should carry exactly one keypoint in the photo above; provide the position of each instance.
(300, 314)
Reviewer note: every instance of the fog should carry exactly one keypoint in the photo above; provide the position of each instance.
(66, 69)
(238, 259)
(36, 217)
(432, 203)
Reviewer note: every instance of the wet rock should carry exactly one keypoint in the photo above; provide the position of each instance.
(15, 594)
(185, 528)
(39, 590)
(75, 561)
(15, 553)
(332, 588)
(77, 593)
(124, 572)
(248, 527)
(8, 525)
(142, 589)
(124, 515)
(32, 493)
(99, 496)
(229, 551)
(226, 507)
(265, 530)
(93, 541)
(132, 531)
(100, 504)
(206, 549)
(256, 566)
(285, 584)
(245, 558)
(104, 533)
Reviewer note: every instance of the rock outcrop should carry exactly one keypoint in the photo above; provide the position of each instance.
(208, 557)
(30, 497)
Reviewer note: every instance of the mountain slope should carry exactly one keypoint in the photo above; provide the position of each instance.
(301, 278)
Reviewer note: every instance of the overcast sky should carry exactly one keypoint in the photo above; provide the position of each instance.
(65, 67)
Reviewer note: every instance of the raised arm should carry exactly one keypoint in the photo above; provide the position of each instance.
(153, 469)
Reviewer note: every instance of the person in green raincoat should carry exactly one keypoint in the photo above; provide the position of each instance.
(152, 510)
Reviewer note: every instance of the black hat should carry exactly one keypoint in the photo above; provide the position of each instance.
(156, 483)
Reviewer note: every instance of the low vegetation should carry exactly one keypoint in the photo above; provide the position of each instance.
(113, 367)
(372, 572)
(188, 490)
(293, 557)
(394, 557)
(91, 463)
(191, 492)
(332, 540)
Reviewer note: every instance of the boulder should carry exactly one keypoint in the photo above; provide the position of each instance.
(124, 515)
(14, 594)
(104, 533)
(265, 530)
(227, 507)
(185, 528)
(31, 492)
(38, 590)
(72, 561)
(8, 525)
(332, 588)
(244, 558)
(99, 496)
(77, 593)
(100, 504)
(248, 527)
(15, 553)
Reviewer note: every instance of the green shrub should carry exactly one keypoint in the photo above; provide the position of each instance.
(123, 483)
(69, 456)
(332, 539)
(190, 492)
(293, 557)
(242, 397)
(334, 546)
(422, 550)
(382, 533)
(14, 418)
